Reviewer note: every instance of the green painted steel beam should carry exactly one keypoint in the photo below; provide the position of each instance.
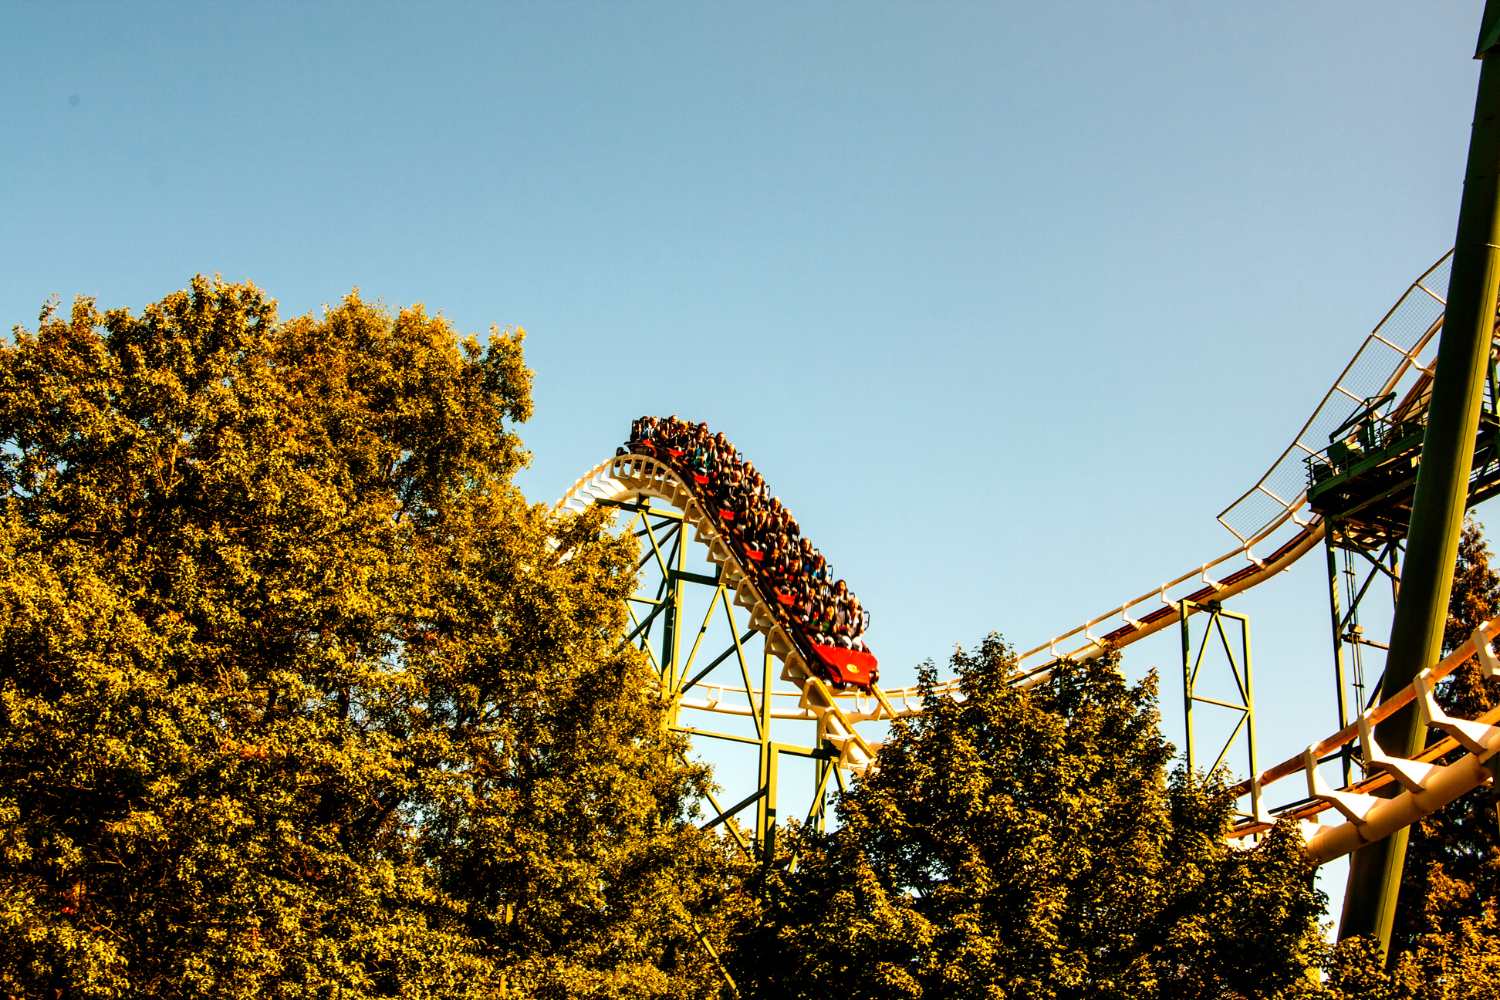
(1489, 31)
(1239, 670)
(1337, 620)
(714, 734)
(1204, 699)
(1442, 479)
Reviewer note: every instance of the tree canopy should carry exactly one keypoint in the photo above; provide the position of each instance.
(298, 695)
(1452, 876)
(1030, 843)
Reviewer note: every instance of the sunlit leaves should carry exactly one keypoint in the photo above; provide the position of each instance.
(297, 694)
(1030, 843)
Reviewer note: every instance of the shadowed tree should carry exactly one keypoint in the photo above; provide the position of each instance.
(1453, 859)
(298, 695)
(1029, 843)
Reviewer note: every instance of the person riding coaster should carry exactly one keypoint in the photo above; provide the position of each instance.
(796, 575)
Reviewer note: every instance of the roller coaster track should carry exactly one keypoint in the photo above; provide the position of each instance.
(1428, 782)
(630, 477)
(1272, 517)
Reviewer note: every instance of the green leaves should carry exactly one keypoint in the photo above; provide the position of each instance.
(1029, 843)
(297, 697)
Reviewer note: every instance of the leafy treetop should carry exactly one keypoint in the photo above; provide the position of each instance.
(298, 695)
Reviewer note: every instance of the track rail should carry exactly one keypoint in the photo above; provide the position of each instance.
(1272, 516)
(1360, 817)
(629, 477)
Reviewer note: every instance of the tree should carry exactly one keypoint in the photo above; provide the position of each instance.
(1446, 940)
(298, 695)
(1452, 869)
(1029, 843)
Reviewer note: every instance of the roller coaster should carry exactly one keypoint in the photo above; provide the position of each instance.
(1347, 476)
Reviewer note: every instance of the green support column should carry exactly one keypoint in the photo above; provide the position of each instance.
(765, 814)
(1442, 479)
(1337, 615)
(671, 640)
(817, 822)
(1184, 609)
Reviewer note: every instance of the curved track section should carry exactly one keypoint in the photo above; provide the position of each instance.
(1337, 821)
(1333, 821)
(1272, 517)
(630, 477)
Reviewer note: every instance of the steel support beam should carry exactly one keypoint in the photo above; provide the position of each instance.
(1236, 658)
(1349, 671)
(1442, 478)
(659, 633)
(1336, 614)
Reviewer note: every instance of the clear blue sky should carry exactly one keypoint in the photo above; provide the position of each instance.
(1007, 301)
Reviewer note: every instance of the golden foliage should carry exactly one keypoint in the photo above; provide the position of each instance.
(1030, 843)
(298, 695)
